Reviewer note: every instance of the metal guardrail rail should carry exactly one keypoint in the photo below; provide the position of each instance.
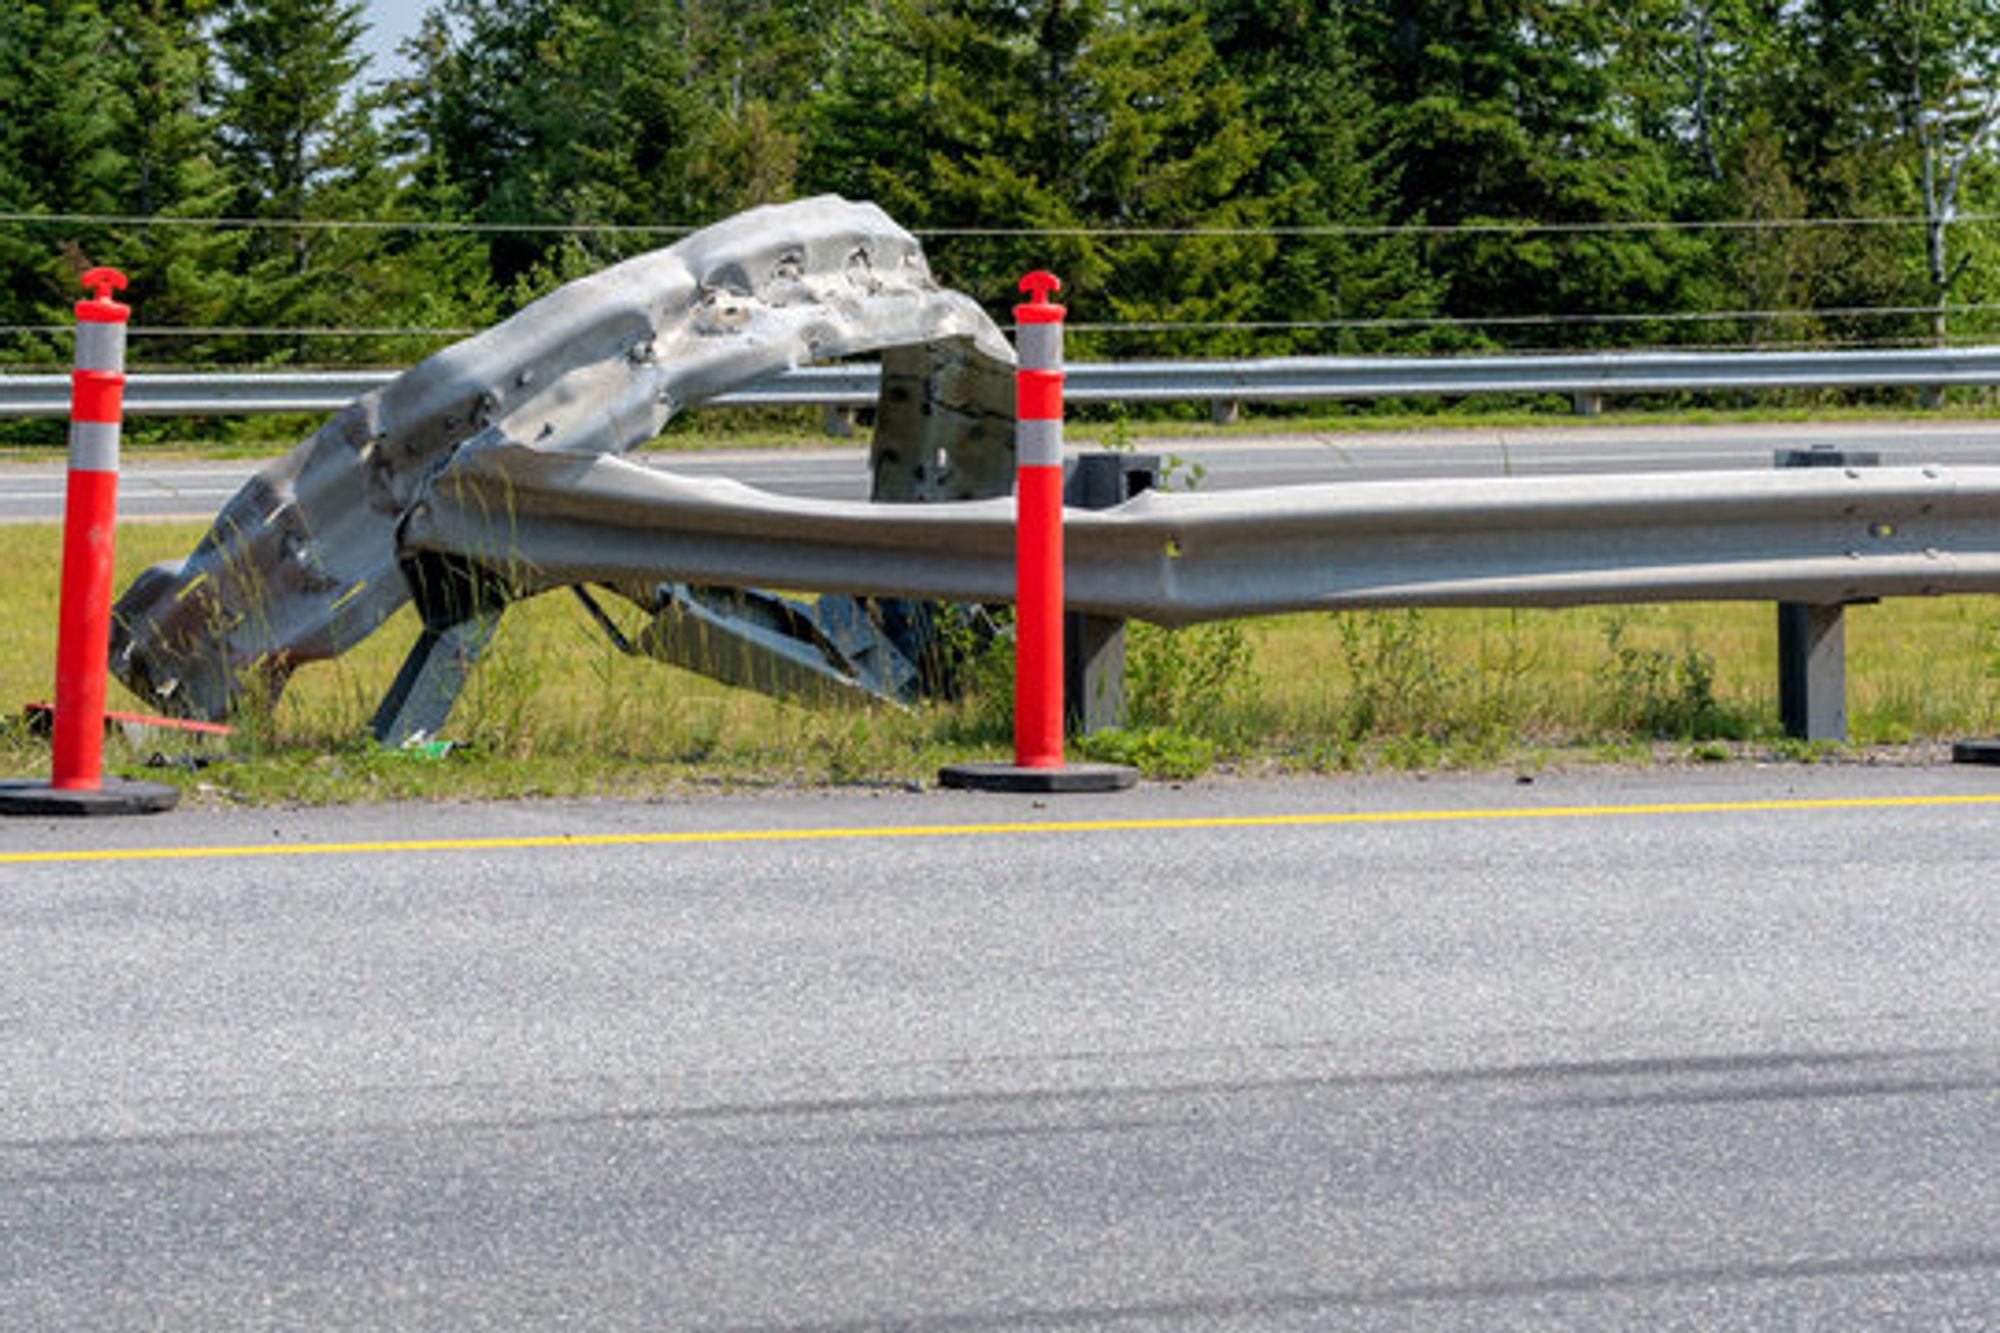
(1278, 379)
(267, 393)
(1815, 535)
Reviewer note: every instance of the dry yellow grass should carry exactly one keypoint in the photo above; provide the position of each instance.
(555, 710)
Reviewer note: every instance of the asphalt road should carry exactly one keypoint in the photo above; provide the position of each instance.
(193, 491)
(1710, 1049)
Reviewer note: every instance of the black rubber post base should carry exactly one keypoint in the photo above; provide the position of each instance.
(1976, 752)
(1014, 778)
(115, 797)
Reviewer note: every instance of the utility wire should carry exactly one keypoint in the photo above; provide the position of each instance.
(246, 331)
(1518, 227)
(1509, 321)
(1145, 326)
(340, 224)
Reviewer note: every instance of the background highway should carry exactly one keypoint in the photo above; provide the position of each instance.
(1709, 1049)
(194, 491)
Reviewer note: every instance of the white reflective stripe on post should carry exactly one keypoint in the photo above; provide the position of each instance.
(93, 446)
(1038, 443)
(1039, 346)
(100, 346)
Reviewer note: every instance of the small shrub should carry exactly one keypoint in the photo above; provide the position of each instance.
(1655, 693)
(1158, 752)
(1189, 680)
(1399, 681)
(981, 710)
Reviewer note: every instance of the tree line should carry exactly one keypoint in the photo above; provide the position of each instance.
(1211, 179)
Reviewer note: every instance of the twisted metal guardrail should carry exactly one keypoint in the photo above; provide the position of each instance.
(491, 472)
(1587, 379)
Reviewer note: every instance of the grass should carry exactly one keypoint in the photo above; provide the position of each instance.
(1499, 413)
(556, 711)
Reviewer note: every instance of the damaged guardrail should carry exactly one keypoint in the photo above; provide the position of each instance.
(491, 472)
(305, 560)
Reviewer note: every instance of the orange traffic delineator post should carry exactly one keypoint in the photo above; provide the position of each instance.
(1038, 569)
(77, 785)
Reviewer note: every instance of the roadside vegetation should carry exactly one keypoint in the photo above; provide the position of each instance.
(555, 710)
(1210, 177)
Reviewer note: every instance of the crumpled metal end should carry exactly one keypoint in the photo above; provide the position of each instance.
(304, 562)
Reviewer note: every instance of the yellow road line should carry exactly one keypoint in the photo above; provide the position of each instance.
(1196, 822)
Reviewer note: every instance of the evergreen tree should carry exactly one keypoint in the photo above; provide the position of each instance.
(185, 273)
(869, 127)
(1179, 147)
(108, 118)
(442, 265)
(1156, 146)
(302, 150)
(1326, 171)
(61, 104)
(759, 67)
(1502, 112)
(565, 113)
(1105, 125)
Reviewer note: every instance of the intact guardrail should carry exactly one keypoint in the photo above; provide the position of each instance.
(1824, 536)
(1816, 534)
(1588, 380)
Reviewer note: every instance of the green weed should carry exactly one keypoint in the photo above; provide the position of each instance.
(1157, 752)
(1195, 680)
(1662, 694)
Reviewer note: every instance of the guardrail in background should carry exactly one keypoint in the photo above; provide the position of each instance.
(1588, 380)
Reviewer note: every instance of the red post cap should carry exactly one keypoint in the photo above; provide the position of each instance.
(101, 309)
(1040, 310)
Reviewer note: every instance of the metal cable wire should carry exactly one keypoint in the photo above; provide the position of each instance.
(1515, 227)
(1146, 326)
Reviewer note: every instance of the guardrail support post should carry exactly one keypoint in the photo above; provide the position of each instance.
(429, 682)
(1587, 404)
(1812, 671)
(1812, 637)
(460, 605)
(1094, 660)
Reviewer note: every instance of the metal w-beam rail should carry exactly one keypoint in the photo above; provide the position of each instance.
(1276, 379)
(1821, 536)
